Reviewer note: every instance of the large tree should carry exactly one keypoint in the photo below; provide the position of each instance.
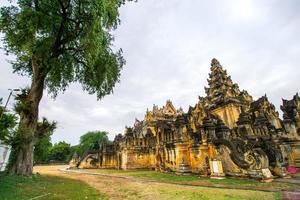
(57, 42)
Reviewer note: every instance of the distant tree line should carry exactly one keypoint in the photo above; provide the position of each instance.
(46, 152)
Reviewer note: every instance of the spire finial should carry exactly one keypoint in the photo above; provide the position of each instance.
(214, 61)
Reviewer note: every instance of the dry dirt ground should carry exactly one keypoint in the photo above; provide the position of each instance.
(120, 188)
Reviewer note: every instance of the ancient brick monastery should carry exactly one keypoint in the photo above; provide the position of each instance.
(225, 133)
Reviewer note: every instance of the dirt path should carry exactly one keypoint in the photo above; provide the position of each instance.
(120, 188)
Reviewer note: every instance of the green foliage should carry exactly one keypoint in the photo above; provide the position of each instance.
(8, 123)
(68, 41)
(60, 152)
(22, 104)
(21, 188)
(42, 149)
(45, 151)
(92, 141)
(45, 127)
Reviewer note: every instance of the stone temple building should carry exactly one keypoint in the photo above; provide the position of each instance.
(225, 133)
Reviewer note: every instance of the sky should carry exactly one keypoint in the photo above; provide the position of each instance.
(168, 46)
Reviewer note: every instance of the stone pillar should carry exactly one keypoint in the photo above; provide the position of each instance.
(204, 167)
(174, 158)
(289, 126)
(209, 129)
(244, 124)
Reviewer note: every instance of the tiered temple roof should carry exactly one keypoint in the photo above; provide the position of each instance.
(222, 90)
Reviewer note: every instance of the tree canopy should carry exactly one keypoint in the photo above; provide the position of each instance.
(68, 40)
(92, 141)
(60, 152)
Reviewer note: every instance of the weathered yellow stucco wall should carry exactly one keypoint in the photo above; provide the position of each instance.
(136, 160)
(198, 159)
(109, 161)
(229, 114)
(295, 155)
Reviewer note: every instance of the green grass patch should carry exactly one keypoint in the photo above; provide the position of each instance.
(277, 196)
(231, 181)
(170, 177)
(167, 177)
(45, 187)
(212, 194)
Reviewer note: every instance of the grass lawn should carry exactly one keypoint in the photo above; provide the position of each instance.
(139, 187)
(218, 194)
(190, 179)
(179, 192)
(19, 188)
(200, 193)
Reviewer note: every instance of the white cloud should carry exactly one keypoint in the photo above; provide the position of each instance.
(245, 10)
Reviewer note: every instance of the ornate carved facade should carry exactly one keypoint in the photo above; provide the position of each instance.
(226, 132)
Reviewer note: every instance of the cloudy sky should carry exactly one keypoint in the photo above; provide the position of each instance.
(168, 46)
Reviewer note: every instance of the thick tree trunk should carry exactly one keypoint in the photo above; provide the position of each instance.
(28, 123)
